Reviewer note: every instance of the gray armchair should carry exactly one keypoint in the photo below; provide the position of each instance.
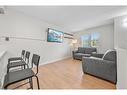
(104, 67)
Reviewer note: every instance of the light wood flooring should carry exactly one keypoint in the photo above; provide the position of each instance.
(66, 74)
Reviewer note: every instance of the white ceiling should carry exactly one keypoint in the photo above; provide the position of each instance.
(74, 18)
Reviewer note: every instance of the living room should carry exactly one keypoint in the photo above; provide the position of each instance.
(98, 37)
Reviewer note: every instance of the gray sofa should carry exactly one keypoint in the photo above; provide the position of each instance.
(104, 67)
(83, 52)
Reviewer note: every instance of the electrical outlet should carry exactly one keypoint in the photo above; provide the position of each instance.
(6, 38)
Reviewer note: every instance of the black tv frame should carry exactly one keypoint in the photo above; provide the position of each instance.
(55, 30)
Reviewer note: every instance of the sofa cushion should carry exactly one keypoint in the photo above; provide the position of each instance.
(90, 50)
(110, 55)
(86, 55)
(81, 50)
(82, 55)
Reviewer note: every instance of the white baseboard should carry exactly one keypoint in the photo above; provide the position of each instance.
(52, 61)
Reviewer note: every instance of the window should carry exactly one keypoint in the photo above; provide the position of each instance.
(90, 40)
(85, 40)
(94, 39)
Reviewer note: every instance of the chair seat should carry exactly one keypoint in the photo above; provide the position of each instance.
(15, 64)
(16, 76)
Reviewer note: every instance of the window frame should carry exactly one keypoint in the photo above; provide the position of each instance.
(97, 37)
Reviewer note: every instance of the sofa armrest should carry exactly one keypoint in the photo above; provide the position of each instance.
(97, 55)
(73, 53)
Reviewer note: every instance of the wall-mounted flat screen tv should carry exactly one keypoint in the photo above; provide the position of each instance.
(54, 35)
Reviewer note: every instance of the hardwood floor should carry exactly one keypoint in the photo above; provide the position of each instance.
(66, 74)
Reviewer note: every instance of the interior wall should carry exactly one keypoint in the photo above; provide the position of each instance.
(120, 40)
(106, 40)
(29, 33)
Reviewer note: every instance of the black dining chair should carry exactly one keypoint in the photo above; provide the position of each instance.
(24, 74)
(18, 58)
(24, 62)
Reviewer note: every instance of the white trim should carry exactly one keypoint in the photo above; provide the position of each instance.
(49, 62)
(2, 54)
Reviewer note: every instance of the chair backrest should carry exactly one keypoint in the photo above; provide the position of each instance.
(35, 61)
(23, 53)
(27, 56)
(110, 55)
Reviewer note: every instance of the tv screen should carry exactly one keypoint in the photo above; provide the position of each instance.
(54, 35)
